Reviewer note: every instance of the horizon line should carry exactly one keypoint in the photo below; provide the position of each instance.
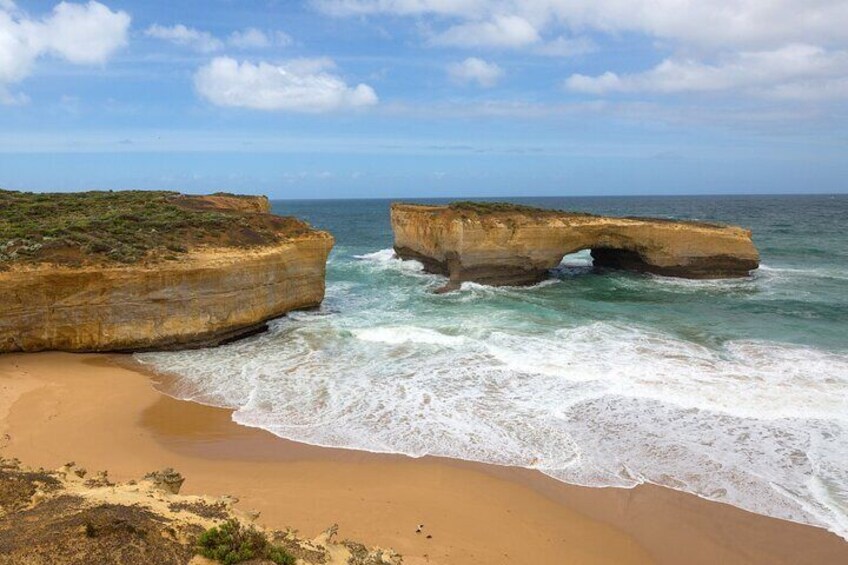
(704, 194)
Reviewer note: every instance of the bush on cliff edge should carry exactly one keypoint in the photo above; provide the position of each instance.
(232, 543)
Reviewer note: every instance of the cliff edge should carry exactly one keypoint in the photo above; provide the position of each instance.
(129, 271)
(71, 516)
(507, 244)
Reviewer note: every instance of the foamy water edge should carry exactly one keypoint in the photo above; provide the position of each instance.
(446, 382)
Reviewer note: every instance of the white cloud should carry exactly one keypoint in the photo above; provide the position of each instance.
(179, 34)
(475, 70)
(82, 34)
(600, 84)
(708, 23)
(300, 85)
(829, 89)
(500, 31)
(777, 48)
(252, 38)
(794, 71)
(205, 42)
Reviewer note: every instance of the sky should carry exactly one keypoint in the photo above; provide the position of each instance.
(401, 98)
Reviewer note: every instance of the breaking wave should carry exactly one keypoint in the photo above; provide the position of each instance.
(736, 391)
(760, 425)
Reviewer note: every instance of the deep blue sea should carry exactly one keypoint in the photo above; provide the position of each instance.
(734, 390)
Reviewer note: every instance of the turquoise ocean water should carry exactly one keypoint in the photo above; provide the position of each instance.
(733, 390)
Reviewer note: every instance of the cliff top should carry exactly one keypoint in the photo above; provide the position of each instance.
(471, 207)
(476, 207)
(481, 210)
(125, 227)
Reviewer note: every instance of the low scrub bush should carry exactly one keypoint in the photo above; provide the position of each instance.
(232, 543)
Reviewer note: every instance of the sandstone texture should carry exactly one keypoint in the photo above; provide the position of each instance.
(502, 244)
(204, 295)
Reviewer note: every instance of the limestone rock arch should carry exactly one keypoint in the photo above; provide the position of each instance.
(503, 244)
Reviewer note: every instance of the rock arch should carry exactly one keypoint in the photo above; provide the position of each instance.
(502, 244)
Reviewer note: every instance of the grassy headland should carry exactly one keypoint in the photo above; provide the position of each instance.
(125, 227)
(478, 207)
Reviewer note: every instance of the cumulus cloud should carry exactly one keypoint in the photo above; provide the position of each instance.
(794, 71)
(474, 70)
(299, 85)
(500, 31)
(205, 42)
(82, 34)
(780, 48)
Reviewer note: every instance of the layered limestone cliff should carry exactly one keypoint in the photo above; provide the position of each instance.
(502, 244)
(255, 267)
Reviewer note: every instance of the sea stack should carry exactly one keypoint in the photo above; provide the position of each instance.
(506, 244)
(130, 271)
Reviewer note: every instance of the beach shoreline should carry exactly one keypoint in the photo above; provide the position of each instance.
(104, 412)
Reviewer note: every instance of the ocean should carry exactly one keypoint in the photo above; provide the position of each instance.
(733, 390)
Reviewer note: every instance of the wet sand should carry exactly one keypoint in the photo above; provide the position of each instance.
(104, 413)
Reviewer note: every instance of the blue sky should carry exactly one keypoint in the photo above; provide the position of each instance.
(399, 98)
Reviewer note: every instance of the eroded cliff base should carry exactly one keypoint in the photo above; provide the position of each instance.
(711, 267)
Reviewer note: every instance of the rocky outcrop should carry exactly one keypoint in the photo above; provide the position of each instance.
(223, 201)
(65, 516)
(201, 296)
(502, 244)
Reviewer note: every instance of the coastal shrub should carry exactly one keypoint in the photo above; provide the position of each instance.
(483, 207)
(478, 207)
(232, 543)
(123, 227)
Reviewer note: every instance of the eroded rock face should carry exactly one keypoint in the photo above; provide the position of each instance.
(204, 299)
(204, 296)
(227, 202)
(510, 245)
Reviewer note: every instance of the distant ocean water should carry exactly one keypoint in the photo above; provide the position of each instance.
(733, 390)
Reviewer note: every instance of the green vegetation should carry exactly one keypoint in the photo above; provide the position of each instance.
(123, 227)
(477, 207)
(484, 208)
(232, 543)
(495, 207)
(489, 207)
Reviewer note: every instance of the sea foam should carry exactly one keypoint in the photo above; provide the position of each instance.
(762, 426)
(759, 424)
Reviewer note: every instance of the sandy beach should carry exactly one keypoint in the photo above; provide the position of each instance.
(103, 412)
